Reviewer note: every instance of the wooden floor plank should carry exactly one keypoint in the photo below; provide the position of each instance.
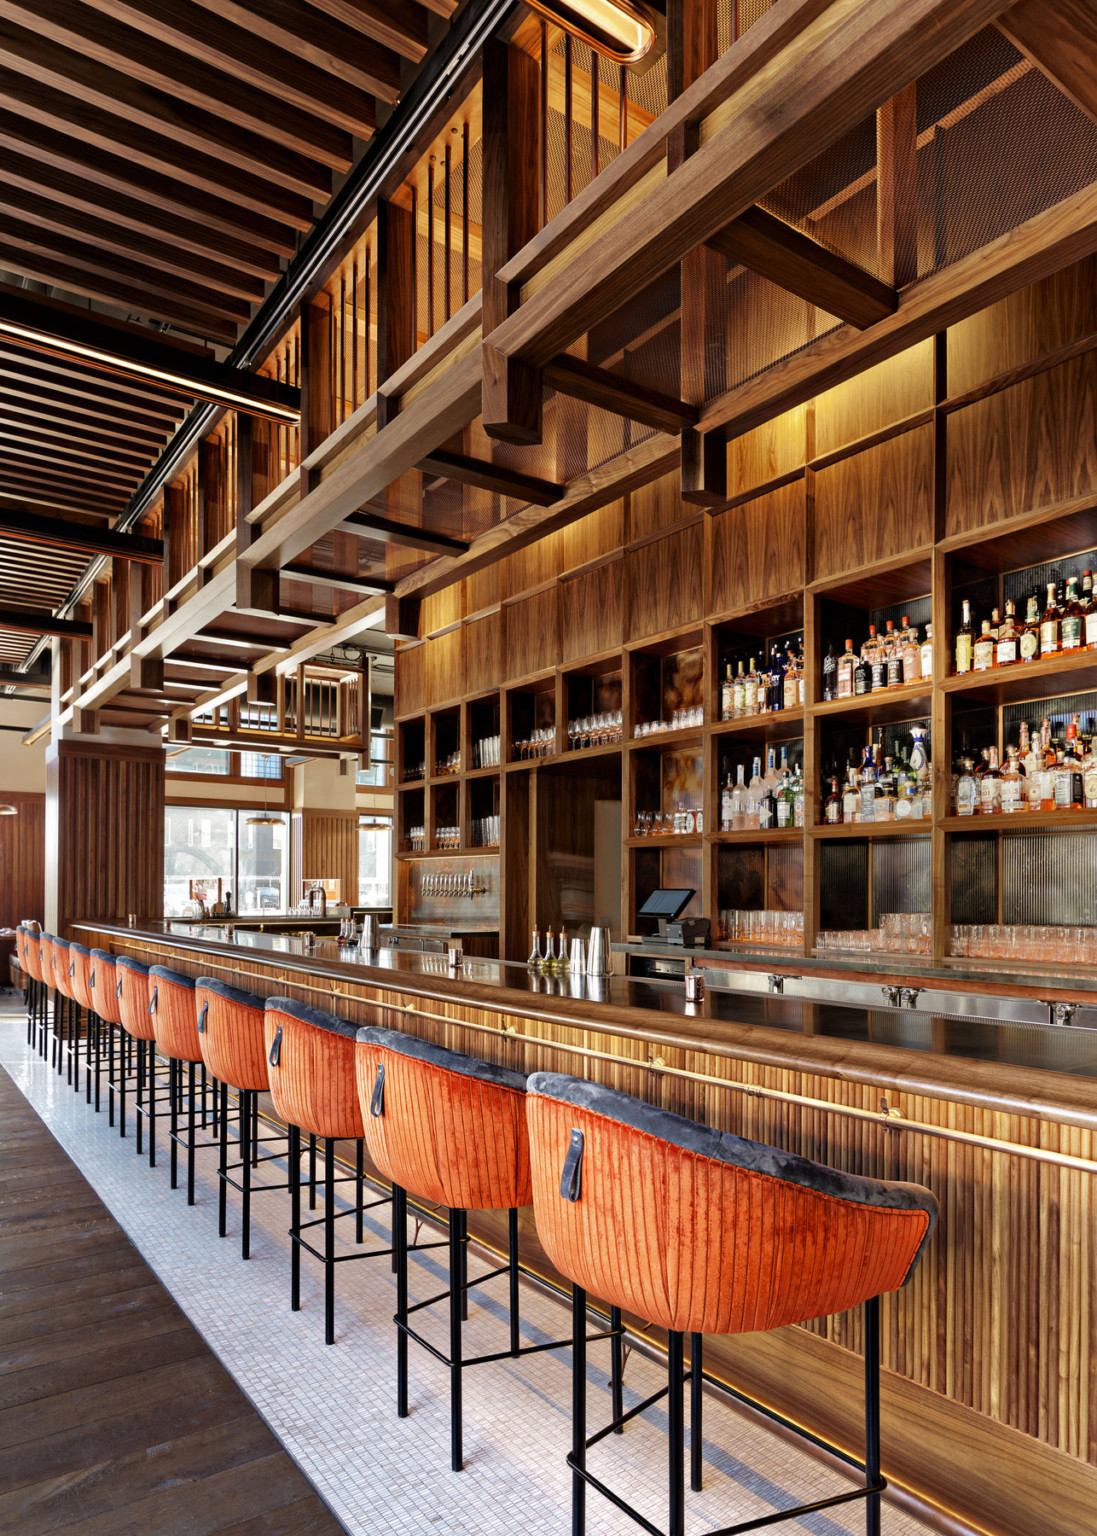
(115, 1417)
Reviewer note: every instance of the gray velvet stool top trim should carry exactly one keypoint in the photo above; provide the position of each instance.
(104, 957)
(314, 1016)
(162, 973)
(133, 965)
(61, 943)
(47, 936)
(439, 1056)
(231, 994)
(722, 1146)
(79, 948)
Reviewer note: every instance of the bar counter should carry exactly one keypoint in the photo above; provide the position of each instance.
(989, 1390)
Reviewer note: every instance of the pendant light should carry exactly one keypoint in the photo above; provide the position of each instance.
(268, 817)
(9, 810)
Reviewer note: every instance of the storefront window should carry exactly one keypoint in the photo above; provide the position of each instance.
(375, 861)
(203, 845)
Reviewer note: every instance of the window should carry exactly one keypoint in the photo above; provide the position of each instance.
(260, 765)
(380, 758)
(200, 760)
(375, 861)
(214, 842)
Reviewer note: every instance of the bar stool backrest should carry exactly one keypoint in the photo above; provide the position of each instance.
(32, 953)
(61, 962)
(310, 1062)
(133, 998)
(104, 986)
(80, 978)
(174, 1016)
(231, 1033)
(45, 958)
(700, 1231)
(444, 1126)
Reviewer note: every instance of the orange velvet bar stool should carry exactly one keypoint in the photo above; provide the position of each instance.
(30, 958)
(134, 1005)
(231, 1035)
(80, 964)
(698, 1231)
(63, 1005)
(175, 1025)
(49, 982)
(449, 1130)
(310, 1063)
(104, 984)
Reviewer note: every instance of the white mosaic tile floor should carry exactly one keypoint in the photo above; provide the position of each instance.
(334, 1408)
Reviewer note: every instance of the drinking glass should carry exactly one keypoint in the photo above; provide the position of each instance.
(573, 734)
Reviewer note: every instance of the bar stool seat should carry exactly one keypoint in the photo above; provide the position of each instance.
(31, 955)
(63, 1000)
(104, 985)
(134, 1000)
(49, 983)
(310, 1061)
(80, 964)
(175, 1029)
(233, 1044)
(696, 1230)
(450, 1130)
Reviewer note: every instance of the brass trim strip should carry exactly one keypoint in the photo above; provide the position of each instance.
(891, 1118)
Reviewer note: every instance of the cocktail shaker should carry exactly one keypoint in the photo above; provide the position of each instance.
(598, 961)
(370, 933)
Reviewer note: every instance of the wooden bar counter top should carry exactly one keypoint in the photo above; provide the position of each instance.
(990, 1400)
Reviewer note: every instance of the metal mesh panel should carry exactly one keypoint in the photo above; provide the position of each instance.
(767, 325)
(1018, 585)
(833, 198)
(734, 17)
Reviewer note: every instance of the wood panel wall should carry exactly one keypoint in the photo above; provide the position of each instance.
(324, 846)
(104, 834)
(22, 865)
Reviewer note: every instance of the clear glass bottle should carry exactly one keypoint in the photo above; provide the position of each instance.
(756, 793)
(726, 802)
(1050, 625)
(868, 785)
(1073, 618)
(832, 806)
(799, 796)
(535, 958)
(884, 805)
(772, 777)
(847, 665)
(739, 803)
(982, 653)
(965, 640)
(750, 691)
(967, 790)
(563, 960)
(990, 785)
(739, 695)
(851, 797)
(727, 693)
(926, 655)
(1013, 799)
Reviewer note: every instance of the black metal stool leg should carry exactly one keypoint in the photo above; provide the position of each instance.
(98, 1061)
(122, 1081)
(400, 1254)
(512, 1266)
(578, 1408)
(359, 1177)
(245, 1175)
(696, 1399)
(223, 1163)
(294, 1161)
(88, 1026)
(205, 1088)
(190, 1131)
(150, 1089)
(676, 1434)
(254, 1098)
(110, 1074)
(463, 1222)
(456, 1295)
(872, 1413)
(617, 1368)
(329, 1240)
(312, 1172)
(173, 1110)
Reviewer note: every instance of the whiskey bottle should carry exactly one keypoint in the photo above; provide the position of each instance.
(862, 673)
(832, 807)
(990, 785)
(739, 695)
(878, 660)
(967, 790)
(727, 696)
(983, 649)
(1073, 618)
(1089, 778)
(1008, 637)
(893, 654)
(912, 655)
(750, 691)
(927, 654)
(1012, 784)
(1089, 598)
(830, 674)
(792, 682)
(965, 640)
(1068, 773)
(1029, 643)
(1050, 625)
(851, 797)
(847, 665)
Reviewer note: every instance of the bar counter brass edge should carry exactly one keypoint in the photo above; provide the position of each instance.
(743, 1044)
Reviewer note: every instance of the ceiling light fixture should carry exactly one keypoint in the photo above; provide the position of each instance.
(268, 818)
(9, 810)
(614, 28)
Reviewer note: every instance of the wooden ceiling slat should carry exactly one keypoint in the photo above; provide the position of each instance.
(69, 441)
(146, 67)
(78, 170)
(105, 422)
(257, 58)
(21, 476)
(324, 37)
(114, 136)
(106, 235)
(44, 492)
(25, 185)
(91, 385)
(87, 471)
(77, 89)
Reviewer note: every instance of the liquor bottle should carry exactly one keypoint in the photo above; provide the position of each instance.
(990, 785)
(792, 682)
(982, 653)
(750, 691)
(851, 797)
(1012, 784)
(847, 665)
(799, 796)
(862, 672)
(868, 786)
(1047, 777)
(689, 821)
(1008, 637)
(893, 657)
(1029, 644)
(775, 694)
(927, 654)
(1068, 773)
(727, 693)
(739, 695)
(965, 640)
(563, 962)
(1073, 618)
(772, 777)
(912, 654)
(726, 798)
(919, 757)
(1050, 625)
(830, 673)
(878, 660)
(785, 796)
(967, 790)
(548, 959)
(1090, 600)
(1089, 778)
(884, 806)
(1033, 763)
(756, 793)
(534, 961)
(739, 819)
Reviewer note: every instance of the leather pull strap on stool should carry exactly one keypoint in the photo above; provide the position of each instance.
(231, 1037)
(698, 1231)
(449, 1130)
(310, 1066)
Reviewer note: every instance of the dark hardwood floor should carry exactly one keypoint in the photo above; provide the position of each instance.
(115, 1418)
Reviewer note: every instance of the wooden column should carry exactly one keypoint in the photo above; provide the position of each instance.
(104, 833)
(254, 588)
(315, 384)
(395, 288)
(897, 199)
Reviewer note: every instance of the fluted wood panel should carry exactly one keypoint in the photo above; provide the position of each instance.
(990, 1394)
(758, 549)
(532, 634)
(875, 504)
(1029, 446)
(665, 582)
(313, 1084)
(700, 1246)
(592, 611)
(105, 834)
(175, 1019)
(445, 1137)
(325, 847)
(233, 1044)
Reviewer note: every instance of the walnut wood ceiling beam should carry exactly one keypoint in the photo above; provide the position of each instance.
(331, 36)
(1060, 37)
(73, 170)
(314, 577)
(34, 529)
(844, 66)
(257, 58)
(75, 84)
(26, 621)
(795, 262)
(86, 469)
(491, 477)
(56, 329)
(383, 530)
(120, 59)
(610, 391)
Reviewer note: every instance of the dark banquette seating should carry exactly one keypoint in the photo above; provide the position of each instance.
(699, 1231)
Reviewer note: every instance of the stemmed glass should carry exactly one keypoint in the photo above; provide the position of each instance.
(574, 731)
